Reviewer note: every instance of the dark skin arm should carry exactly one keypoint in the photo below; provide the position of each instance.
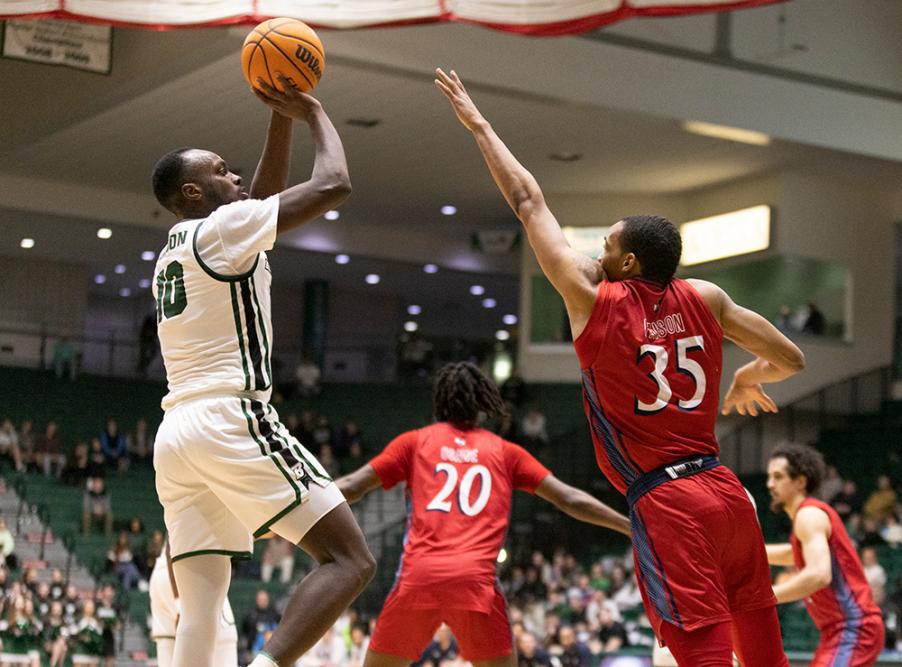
(581, 506)
(271, 176)
(329, 183)
(359, 483)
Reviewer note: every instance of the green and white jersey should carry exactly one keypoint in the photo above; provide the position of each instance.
(212, 289)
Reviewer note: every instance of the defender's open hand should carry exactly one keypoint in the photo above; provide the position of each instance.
(463, 106)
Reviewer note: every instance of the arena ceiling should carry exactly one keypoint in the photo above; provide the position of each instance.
(97, 137)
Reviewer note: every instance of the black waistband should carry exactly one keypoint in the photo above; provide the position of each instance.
(676, 470)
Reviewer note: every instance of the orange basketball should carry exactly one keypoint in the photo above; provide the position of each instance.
(283, 45)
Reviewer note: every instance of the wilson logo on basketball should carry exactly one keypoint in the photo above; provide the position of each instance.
(310, 60)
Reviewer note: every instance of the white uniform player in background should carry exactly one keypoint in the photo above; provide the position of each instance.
(164, 610)
(227, 470)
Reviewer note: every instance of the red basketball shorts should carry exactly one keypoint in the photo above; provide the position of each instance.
(405, 630)
(855, 644)
(699, 551)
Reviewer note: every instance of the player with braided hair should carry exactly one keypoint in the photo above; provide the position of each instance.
(460, 479)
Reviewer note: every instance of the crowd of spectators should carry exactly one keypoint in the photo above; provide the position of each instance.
(44, 622)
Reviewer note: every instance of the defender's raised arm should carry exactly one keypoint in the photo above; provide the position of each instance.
(573, 275)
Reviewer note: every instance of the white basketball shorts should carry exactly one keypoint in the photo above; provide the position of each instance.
(228, 471)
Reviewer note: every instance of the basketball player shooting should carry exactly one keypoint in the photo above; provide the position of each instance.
(460, 479)
(830, 577)
(649, 347)
(226, 469)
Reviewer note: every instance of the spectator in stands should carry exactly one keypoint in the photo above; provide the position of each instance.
(278, 553)
(532, 430)
(442, 649)
(7, 547)
(57, 584)
(882, 502)
(628, 596)
(42, 599)
(137, 543)
(507, 425)
(831, 486)
(113, 445)
(88, 638)
(139, 443)
(816, 323)
(347, 436)
(26, 443)
(892, 531)
(153, 550)
(529, 653)
(611, 634)
(108, 615)
(64, 359)
(513, 390)
(847, 502)
(30, 581)
(873, 572)
(9, 444)
(96, 460)
(97, 506)
(322, 432)
(308, 377)
(76, 471)
(48, 451)
(71, 604)
(868, 534)
(354, 460)
(55, 635)
(259, 624)
(328, 462)
(784, 321)
(19, 632)
(573, 653)
(356, 647)
(121, 561)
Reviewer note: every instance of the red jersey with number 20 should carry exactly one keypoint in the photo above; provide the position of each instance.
(459, 488)
(651, 361)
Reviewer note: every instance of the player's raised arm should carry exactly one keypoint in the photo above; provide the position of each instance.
(573, 275)
(329, 184)
(357, 484)
(812, 527)
(779, 554)
(777, 357)
(271, 176)
(580, 505)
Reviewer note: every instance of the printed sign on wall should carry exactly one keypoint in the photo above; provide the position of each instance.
(67, 43)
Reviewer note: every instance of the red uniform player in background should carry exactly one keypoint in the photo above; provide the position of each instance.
(649, 346)
(830, 578)
(460, 479)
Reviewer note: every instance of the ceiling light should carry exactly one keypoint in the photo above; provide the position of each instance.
(510, 320)
(477, 290)
(332, 215)
(447, 209)
(565, 156)
(26, 243)
(414, 310)
(502, 555)
(430, 268)
(100, 279)
(502, 334)
(120, 268)
(372, 279)
(489, 303)
(342, 259)
(148, 255)
(726, 132)
(104, 233)
(410, 327)
(125, 291)
(144, 283)
(727, 235)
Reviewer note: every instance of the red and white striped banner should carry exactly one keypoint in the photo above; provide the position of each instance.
(548, 17)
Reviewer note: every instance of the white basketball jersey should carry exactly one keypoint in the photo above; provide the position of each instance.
(212, 288)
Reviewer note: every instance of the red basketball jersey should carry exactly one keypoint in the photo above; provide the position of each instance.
(847, 600)
(651, 363)
(459, 488)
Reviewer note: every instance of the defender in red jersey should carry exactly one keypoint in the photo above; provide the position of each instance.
(830, 577)
(460, 480)
(649, 346)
